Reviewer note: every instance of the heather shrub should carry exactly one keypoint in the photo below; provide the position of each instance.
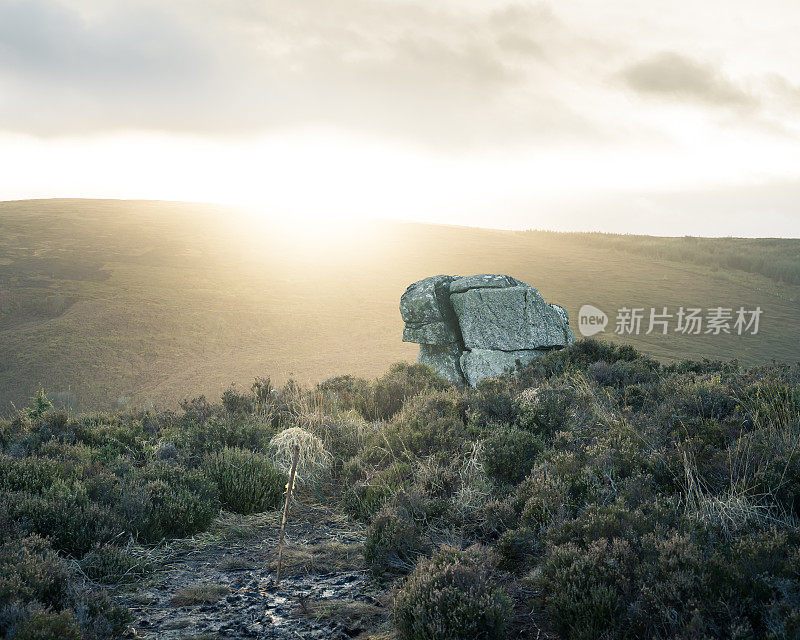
(547, 411)
(517, 548)
(48, 625)
(247, 481)
(429, 423)
(707, 398)
(624, 372)
(509, 453)
(31, 571)
(32, 474)
(63, 513)
(492, 403)
(236, 402)
(402, 381)
(167, 501)
(578, 356)
(343, 434)
(669, 584)
(452, 595)
(36, 594)
(347, 393)
(214, 432)
(366, 497)
(393, 542)
(584, 589)
(384, 397)
(110, 441)
(100, 617)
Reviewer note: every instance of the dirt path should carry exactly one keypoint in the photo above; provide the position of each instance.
(221, 584)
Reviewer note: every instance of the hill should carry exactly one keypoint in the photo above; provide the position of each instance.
(132, 303)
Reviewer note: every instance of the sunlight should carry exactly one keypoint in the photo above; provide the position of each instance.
(323, 184)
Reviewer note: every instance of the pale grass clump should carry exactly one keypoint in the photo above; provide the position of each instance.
(474, 487)
(314, 463)
(344, 434)
(746, 501)
(736, 509)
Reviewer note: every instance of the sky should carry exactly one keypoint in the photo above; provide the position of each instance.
(665, 117)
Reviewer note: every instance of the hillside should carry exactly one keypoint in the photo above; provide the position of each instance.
(128, 303)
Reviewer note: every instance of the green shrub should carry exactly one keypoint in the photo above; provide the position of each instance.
(63, 513)
(393, 542)
(236, 402)
(431, 423)
(401, 382)
(365, 498)
(508, 454)
(48, 625)
(32, 474)
(343, 434)
(384, 397)
(348, 393)
(549, 411)
(556, 489)
(584, 588)
(100, 617)
(30, 571)
(622, 373)
(491, 403)
(516, 549)
(452, 596)
(216, 432)
(248, 481)
(167, 501)
(580, 355)
(667, 585)
(111, 440)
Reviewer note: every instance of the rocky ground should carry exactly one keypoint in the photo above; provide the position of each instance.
(222, 584)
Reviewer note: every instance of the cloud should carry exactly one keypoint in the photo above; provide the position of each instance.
(436, 74)
(505, 74)
(672, 75)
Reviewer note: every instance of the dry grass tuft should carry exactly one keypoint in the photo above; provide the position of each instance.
(323, 558)
(314, 463)
(198, 594)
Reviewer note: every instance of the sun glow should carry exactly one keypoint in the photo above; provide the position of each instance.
(321, 183)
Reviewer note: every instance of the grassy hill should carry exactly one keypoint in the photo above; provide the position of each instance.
(132, 303)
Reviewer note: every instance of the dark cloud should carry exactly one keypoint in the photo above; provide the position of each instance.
(672, 75)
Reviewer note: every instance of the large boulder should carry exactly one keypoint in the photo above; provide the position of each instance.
(489, 363)
(445, 359)
(428, 314)
(483, 281)
(508, 319)
(475, 327)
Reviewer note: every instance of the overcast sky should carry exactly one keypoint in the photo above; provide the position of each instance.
(668, 117)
